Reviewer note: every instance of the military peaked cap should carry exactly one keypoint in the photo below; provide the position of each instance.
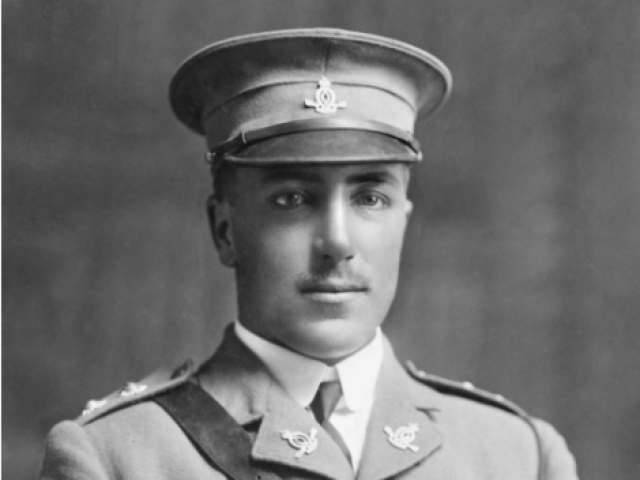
(309, 95)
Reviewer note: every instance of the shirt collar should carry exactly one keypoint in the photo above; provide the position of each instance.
(300, 376)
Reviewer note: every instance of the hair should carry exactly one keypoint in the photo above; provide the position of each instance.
(224, 176)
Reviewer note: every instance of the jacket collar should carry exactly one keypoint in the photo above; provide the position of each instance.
(241, 383)
(400, 402)
(237, 379)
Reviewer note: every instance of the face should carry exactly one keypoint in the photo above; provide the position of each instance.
(316, 251)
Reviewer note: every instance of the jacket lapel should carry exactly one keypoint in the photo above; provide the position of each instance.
(285, 418)
(241, 383)
(400, 402)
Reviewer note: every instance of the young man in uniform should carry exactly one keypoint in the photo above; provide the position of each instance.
(310, 143)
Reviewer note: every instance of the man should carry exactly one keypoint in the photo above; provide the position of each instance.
(310, 143)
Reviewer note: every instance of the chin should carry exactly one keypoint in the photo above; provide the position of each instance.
(330, 339)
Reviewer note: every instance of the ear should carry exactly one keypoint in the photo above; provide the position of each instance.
(408, 208)
(408, 205)
(220, 226)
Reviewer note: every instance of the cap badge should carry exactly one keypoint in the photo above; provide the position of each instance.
(325, 98)
(403, 437)
(305, 444)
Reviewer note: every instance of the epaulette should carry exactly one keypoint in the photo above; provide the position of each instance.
(469, 391)
(465, 390)
(135, 392)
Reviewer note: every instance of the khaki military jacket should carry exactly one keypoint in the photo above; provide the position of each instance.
(129, 436)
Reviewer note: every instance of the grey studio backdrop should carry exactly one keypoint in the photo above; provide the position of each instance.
(522, 265)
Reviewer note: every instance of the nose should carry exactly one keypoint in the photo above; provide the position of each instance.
(334, 241)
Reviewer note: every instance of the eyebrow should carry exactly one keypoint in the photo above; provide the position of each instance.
(288, 174)
(377, 177)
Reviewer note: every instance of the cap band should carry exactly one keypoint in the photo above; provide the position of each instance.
(251, 136)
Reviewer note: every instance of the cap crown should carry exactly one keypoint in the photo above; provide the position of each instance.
(255, 81)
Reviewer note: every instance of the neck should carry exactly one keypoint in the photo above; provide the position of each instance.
(330, 361)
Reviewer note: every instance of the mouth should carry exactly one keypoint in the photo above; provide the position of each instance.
(332, 292)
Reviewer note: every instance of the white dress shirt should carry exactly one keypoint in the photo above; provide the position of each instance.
(301, 376)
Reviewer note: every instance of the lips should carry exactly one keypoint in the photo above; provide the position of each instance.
(332, 287)
(332, 291)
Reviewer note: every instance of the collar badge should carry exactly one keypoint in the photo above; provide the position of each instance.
(325, 98)
(305, 444)
(403, 437)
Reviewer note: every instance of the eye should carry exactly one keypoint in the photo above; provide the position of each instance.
(290, 199)
(372, 200)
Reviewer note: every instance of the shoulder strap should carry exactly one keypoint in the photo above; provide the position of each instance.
(469, 391)
(464, 389)
(136, 392)
(213, 431)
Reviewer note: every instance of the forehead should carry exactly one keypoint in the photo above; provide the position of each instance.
(394, 174)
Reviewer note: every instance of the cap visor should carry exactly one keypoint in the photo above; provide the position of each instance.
(322, 146)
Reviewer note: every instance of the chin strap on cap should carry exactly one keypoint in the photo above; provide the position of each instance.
(245, 139)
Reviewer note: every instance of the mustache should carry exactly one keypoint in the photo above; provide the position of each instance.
(333, 279)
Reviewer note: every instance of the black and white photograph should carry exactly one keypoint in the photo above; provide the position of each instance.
(321, 239)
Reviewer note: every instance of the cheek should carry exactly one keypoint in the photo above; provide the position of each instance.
(382, 244)
(268, 254)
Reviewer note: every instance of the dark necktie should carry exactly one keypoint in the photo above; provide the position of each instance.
(323, 405)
